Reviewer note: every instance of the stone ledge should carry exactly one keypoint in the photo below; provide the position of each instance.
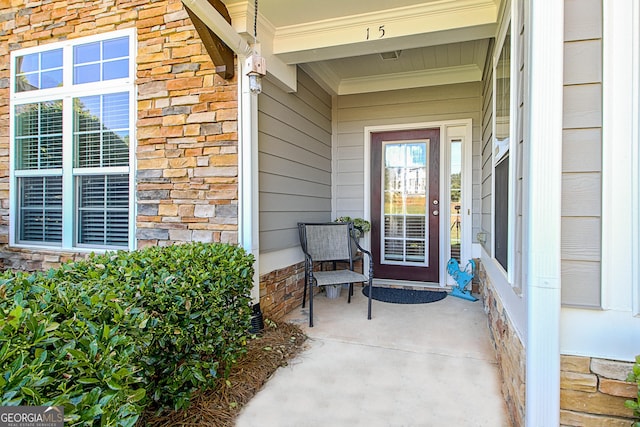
(576, 419)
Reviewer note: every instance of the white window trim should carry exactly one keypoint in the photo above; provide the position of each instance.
(66, 93)
(497, 154)
(635, 156)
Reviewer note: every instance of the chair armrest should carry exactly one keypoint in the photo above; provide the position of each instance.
(368, 254)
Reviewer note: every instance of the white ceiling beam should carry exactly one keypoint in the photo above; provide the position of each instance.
(406, 80)
(401, 28)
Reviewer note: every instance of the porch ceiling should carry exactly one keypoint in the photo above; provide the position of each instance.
(340, 42)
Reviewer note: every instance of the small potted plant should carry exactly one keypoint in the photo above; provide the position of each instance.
(359, 224)
(360, 227)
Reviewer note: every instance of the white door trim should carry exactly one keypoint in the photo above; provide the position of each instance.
(450, 129)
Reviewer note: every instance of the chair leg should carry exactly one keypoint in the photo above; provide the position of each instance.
(304, 292)
(370, 292)
(350, 293)
(311, 305)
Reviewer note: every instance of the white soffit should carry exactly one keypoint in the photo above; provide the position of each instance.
(338, 43)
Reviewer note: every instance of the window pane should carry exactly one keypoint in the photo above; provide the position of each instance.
(115, 69)
(28, 63)
(39, 71)
(416, 227)
(26, 82)
(116, 111)
(40, 207)
(103, 210)
(503, 94)
(502, 212)
(101, 130)
(51, 79)
(86, 74)
(415, 250)
(38, 135)
(405, 201)
(116, 48)
(455, 187)
(51, 59)
(84, 53)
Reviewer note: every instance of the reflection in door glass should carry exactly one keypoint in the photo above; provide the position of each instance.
(455, 186)
(405, 234)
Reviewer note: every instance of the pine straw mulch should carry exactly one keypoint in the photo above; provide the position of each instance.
(274, 347)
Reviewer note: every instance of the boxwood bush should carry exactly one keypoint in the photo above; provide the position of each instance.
(109, 336)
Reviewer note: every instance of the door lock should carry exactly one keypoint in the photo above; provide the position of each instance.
(436, 212)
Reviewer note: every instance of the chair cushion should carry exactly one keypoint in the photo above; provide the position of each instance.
(324, 278)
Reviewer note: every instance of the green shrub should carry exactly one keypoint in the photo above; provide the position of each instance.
(108, 336)
(634, 376)
(54, 352)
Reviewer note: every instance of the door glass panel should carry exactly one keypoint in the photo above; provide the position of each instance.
(454, 201)
(405, 234)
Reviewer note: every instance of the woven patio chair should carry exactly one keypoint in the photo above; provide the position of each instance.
(331, 241)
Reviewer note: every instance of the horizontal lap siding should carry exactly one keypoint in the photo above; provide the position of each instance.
(582, 154)
(430, 104)
(294, 134)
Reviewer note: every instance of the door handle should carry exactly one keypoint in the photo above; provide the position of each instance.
(436, 212)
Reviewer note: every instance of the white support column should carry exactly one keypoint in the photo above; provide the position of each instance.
(248, 226)
(543, 136)
(248, 210)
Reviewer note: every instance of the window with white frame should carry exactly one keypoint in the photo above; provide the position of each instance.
(501, 155)
(72, 108)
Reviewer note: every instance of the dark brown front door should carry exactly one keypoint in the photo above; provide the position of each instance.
(405, 204)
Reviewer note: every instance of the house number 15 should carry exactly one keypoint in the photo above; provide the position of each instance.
(380, 30)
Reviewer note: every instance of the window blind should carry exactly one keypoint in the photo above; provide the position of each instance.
(103, 210)
(40, 209)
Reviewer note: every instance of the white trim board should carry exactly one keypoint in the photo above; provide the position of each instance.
(447, 131)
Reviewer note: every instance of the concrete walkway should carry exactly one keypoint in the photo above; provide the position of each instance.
(411, 365)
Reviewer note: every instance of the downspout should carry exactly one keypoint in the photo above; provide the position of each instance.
(543, 199)
(248, 195)
(248, 231)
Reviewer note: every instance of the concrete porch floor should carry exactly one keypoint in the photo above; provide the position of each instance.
(411, 365)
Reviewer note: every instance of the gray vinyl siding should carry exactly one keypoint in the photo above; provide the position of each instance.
(428, 104)
(294, 155)
(582, 154)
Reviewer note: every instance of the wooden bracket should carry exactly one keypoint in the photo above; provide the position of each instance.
(221, 54)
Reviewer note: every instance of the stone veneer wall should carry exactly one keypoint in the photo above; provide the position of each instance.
(510, 352)
(281, 291)
(592, 391)
(186, 151)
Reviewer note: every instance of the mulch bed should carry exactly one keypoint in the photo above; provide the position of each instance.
(274, 347)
